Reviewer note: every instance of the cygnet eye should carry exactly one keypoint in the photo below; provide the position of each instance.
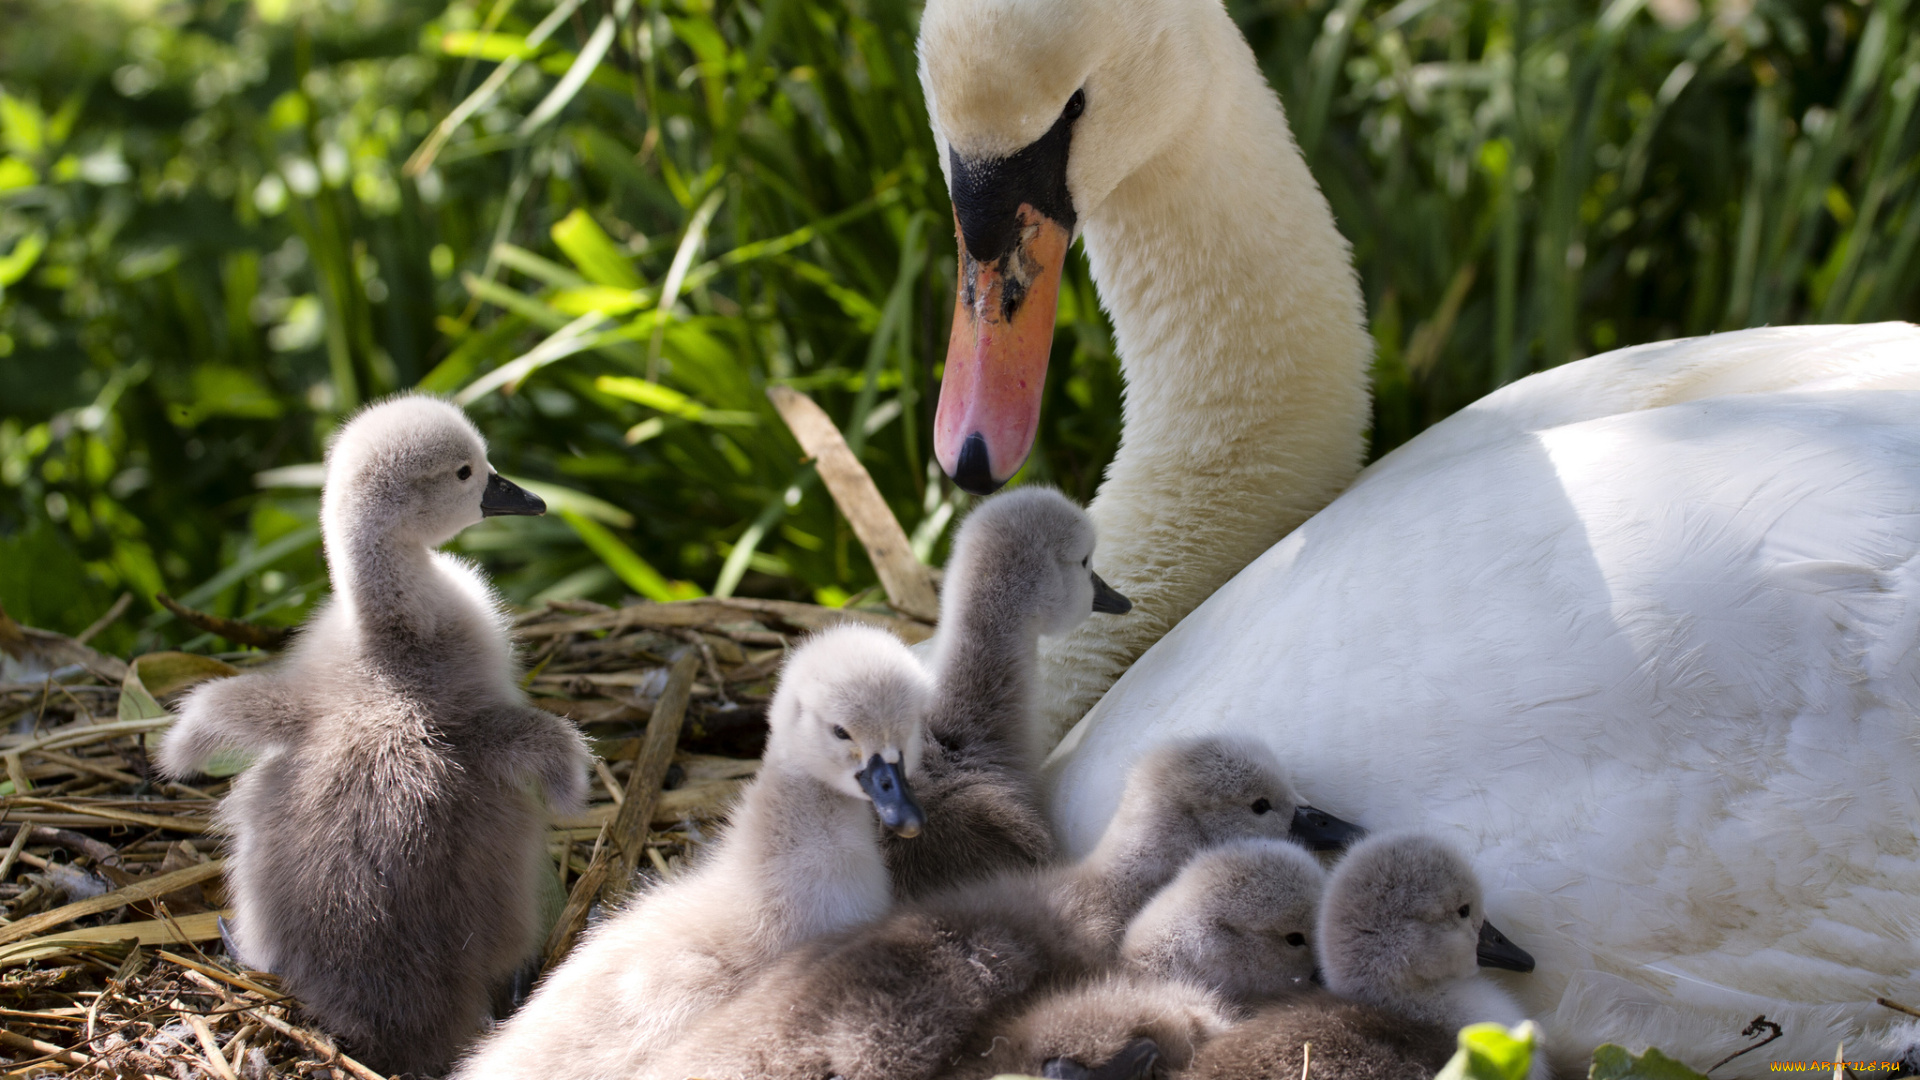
(1085, 564)
(1261, 806)
(465, 473)
(1076, 105)
(1297, 939)
(1466, 911)
(841, 733)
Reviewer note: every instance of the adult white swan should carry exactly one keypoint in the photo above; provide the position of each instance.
(1643, 631)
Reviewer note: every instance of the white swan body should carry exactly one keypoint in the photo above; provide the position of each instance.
(1659, 668)
(1640, 631)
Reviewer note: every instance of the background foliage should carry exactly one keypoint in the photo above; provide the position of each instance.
(608, 225)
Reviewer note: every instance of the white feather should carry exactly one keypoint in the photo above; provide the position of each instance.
(1660, 670)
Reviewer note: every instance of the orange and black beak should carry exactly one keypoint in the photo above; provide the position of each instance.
(1015, 222)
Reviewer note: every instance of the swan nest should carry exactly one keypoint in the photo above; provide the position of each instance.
(110, 956)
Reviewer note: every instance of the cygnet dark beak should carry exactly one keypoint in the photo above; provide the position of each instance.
(1107, 599)
(1498, 952)
(504, 497)
(1135, 1061)
(892, 799)
(1321, 831)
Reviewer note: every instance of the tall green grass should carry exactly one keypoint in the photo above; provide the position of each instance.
(608, 225)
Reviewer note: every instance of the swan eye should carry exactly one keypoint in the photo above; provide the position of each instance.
(1261, 806)
(465, 473)
(1086, 563)
(1297, 939)
(1076, 105)
(841, 733)
(1466, 911)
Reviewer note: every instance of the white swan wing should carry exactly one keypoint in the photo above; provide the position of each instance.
(1659, 668)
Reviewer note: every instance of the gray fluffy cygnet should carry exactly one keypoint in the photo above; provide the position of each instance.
(1020, 568)
(915, 994)
(1236, 928)
(388, 840)
(1399, 930)
(800, 858)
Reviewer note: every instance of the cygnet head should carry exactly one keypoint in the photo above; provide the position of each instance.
(849, 712)
(1040, 109)
(413, 469)
(1030, 551)
(1401, 919)
(1209, 791)
(1241, 920)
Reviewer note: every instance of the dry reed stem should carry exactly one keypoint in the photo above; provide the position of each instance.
(146, 889)
(200, 926)
(106, 619)
(215, 1059)
(315, 1042)
(617, 853)
(712, 610)
(224, 976)
(908, 583)
(628, 837)
(46, 1048)
(126, 817)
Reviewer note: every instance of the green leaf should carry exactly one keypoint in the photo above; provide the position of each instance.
(639, 575)
(1612, 1062)
(567, 500)
(602, 298)
(670, 401)
(495, 47)
(226, 391)
(156, 675)
(594, 252)
(16, 174)
(22, 124)
(1492, 1052)
(261, 558)
(576, 337)
(15, 264)
(577, 73)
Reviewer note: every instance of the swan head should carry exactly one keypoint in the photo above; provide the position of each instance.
(1030, 552)
(1040, 109)
(413, 469)
(1240, 919)
(849, 712)
(1401, 919)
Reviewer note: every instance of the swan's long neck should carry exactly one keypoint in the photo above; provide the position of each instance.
(985, 661)
(1242, 339)
(1135, 858)
(402, 604)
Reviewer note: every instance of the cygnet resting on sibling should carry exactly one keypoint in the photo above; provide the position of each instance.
(1236, 928)
(906, 998)
(801, 858)
(1399, 932)
(388, 845)
(1020, 568)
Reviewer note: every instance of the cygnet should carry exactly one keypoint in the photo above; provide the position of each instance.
(1399, 932)
(801, 858)
(388, 846)
(1240, 920)
(911, 996)
(1234, 929)
(1021, 567)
